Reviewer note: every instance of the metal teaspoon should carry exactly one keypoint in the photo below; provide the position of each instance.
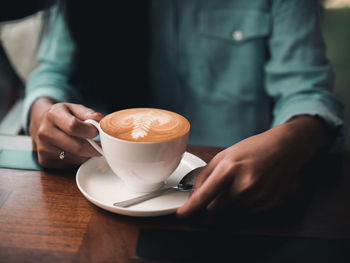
(186, 184)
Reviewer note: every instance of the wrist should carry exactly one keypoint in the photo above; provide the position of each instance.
(312, 133)
(38, 108)
(40, 105)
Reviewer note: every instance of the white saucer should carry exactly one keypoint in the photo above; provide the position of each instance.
(102, 187)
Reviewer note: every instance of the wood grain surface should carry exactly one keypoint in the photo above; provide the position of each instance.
(44, 217)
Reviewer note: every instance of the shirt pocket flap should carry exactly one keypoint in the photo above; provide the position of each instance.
(234, 26)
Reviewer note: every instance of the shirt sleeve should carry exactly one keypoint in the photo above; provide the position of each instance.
(50, 78)
(299, 78)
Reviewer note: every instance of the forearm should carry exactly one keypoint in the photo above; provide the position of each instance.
(300, 79)
(51, 78)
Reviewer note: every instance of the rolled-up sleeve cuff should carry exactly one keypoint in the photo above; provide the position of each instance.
(319, 109)
(53, 93)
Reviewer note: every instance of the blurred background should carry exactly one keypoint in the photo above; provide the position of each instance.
(20, 34)
(336, 32)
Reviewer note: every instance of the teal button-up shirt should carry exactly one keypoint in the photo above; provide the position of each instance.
(233, 68)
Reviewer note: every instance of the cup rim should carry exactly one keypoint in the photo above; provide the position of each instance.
(134, 142)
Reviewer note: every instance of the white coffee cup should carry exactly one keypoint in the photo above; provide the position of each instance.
(143, 166)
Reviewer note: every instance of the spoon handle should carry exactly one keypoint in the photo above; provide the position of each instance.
(142, 198)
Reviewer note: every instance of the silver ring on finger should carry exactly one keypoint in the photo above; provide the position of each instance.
(62, 155)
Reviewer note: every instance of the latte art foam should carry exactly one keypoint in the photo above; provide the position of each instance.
(145, 125)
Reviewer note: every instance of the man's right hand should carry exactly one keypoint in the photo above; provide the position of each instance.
(57, 127)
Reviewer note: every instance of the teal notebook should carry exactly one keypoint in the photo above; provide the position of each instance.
(19, 159)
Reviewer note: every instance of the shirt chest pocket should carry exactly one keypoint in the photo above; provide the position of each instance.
(229, 46)
(234, 26)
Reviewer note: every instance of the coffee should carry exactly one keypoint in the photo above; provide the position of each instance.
(142, 146)
(145, 125)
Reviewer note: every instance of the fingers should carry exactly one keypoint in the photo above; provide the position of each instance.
(225, 184)
(73, 145)
(61, 128)
(48, 157)
(83, 113)
(215, 181)
(248, 200)
(260, 196)
(203, 175)
(70, 119)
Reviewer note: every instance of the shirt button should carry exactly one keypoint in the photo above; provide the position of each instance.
(237, 35)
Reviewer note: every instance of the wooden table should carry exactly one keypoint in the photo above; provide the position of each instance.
(44, 217)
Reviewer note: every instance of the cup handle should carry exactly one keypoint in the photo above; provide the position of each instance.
(92, 142)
